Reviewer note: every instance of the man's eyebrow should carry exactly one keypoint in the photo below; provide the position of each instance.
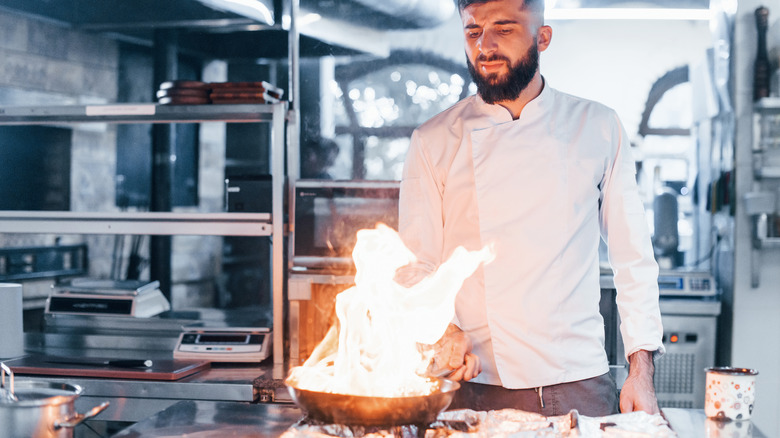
(496, 23)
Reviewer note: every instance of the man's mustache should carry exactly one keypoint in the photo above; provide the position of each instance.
(482, 58)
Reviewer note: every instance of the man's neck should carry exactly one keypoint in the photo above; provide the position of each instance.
(534, 88)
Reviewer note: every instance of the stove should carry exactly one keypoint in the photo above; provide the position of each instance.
(467, 423)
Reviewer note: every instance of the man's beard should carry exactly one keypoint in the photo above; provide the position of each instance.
(494, 89)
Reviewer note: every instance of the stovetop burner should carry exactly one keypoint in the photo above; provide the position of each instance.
(506, 422)
(459, 422)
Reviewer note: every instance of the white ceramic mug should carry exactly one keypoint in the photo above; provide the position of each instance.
(730, 393)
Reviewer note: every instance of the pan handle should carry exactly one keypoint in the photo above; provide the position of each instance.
(77, 418)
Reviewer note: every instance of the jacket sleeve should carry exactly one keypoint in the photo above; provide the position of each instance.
(624, 228)
(420, 213)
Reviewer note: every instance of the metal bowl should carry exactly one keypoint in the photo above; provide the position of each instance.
(357, 410)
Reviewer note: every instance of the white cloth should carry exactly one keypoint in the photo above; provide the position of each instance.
(540, 189)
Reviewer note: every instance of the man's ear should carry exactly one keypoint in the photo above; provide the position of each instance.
(543, 37)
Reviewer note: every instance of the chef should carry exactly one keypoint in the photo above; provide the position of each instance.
(541, 176)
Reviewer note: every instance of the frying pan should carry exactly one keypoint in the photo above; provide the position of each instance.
(357, 410)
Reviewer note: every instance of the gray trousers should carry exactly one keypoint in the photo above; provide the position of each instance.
(594, 397)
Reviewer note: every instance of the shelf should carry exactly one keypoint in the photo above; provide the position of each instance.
(142, 223)
(169, 223)
(770, 242)
(767, 104)
(139, 113)
(768, 172)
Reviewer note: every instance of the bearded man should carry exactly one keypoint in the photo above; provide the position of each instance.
(542, 176)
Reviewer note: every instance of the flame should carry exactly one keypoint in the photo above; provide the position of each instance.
(375, 349)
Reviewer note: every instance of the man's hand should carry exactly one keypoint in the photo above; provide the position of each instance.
(638, 393)
(453, 352)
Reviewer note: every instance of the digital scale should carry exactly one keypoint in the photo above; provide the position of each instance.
(133, 298)
(686, 284)
(228, 344)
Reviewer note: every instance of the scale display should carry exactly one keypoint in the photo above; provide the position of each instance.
(224, 344)
(686, 283)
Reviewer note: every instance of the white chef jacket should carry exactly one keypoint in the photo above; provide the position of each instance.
(542, 189)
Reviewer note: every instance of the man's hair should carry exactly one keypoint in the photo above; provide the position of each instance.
(528, 4)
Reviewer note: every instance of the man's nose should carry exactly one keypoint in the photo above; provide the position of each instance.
(487, 43)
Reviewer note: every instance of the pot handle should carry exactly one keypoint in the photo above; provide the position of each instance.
(76, 419)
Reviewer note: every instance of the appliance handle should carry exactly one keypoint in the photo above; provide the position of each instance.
(77, 418)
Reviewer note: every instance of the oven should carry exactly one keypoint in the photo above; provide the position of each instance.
(328, 215)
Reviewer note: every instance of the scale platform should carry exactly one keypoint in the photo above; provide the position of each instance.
(131, 298)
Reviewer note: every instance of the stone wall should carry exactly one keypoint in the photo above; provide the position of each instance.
(41, 58)
(47, 64)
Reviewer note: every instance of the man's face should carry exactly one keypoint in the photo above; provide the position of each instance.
(503, 41)
(497, 87)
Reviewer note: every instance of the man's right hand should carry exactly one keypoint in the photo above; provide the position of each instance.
(453, 352)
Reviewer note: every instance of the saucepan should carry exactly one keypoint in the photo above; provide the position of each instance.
(40, 409)
(357, 410)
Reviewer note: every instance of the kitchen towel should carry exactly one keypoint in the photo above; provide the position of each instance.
(11, 328)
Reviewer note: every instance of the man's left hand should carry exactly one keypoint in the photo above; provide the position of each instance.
(638, 393)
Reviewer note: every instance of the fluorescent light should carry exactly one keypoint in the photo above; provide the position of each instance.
(303, 19)
(309, 19)
(627, 14)
(248, 8)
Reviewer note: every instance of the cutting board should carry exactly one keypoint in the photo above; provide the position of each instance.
(160, 370)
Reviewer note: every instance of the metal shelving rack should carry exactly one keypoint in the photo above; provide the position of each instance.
(168, 223)
(761, 202)
(766, 138)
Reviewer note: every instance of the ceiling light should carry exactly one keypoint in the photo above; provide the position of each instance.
(627, 14)
(248, 8)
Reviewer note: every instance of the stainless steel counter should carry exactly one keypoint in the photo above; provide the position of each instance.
(692, 423)
(219, 419)
(133, 400)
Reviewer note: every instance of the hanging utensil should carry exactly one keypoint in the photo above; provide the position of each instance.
(7, 395)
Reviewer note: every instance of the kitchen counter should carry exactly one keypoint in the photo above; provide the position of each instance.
(219, 419)
(694, 424)
(133, 400)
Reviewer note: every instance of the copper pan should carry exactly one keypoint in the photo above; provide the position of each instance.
(356, 410)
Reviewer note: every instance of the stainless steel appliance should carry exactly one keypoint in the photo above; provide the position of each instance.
(689, 337)
(328, 215)
(690, 307)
